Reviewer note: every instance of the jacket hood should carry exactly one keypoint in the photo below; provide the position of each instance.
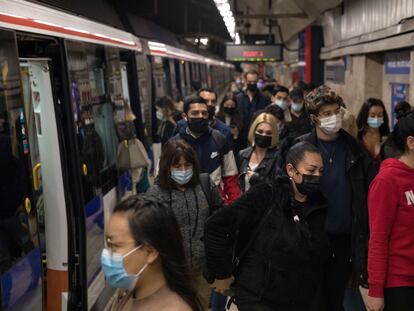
(184, 134)
(389, 166)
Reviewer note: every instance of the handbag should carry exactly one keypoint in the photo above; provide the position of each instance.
(132, 154)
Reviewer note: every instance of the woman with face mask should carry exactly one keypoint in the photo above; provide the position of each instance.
(180, 184)
(229, 113)
(167, 117)
(373, 127)
(391, 222)
(281, 241)
(144, 258)
(257, 162)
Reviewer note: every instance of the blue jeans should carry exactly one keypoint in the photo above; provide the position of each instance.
(218, 301)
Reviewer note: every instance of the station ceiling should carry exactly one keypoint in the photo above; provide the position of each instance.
(171, 21)
(292, 15)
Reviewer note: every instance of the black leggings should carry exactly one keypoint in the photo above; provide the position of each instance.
(399, 299)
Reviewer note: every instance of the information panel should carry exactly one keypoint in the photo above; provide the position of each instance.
(254, 53)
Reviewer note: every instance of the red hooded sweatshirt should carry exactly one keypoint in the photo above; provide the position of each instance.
(391, 222)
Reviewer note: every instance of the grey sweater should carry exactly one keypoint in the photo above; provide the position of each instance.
(191, 210)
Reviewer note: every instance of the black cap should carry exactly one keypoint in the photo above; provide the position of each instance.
(296, 93)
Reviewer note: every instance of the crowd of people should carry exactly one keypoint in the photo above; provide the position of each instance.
(269, 200)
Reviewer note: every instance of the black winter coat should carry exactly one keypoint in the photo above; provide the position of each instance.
(265, 171)
(361, 172)
(283, 265)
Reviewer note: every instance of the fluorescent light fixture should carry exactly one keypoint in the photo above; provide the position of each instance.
(237, 38)
(204, 41)
(225, 11)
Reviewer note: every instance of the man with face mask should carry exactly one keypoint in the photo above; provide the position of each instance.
(348, 171)
(210, 96)
(249, 102)
(213, 151)
(280, 98)
(300, 123)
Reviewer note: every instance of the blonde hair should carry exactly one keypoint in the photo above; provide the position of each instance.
(268, 118)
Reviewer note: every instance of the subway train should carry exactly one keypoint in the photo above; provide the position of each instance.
(66, 83)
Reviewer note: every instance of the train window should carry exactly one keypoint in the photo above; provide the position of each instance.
(175, 93)
(187, 77)
(159, 77)
(96, 92)
(144, 81)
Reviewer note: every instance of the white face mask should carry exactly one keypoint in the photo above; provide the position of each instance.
(281, 103)
(332, 124)
(297, 107)
(160, 115)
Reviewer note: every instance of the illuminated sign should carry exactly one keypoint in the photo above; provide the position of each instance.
(254, 53)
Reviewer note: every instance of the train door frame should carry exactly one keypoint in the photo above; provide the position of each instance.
(187, 77)
(167, 73)
(178, 77)
(56, 230)
(129, 57)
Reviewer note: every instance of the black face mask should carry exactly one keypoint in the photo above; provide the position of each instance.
(229, 110)
(310, 184)
(262, 141)
(211, 112)
(252, 87)
(198, 125)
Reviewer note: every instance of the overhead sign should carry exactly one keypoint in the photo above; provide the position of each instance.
(253, 53)
(397, 63)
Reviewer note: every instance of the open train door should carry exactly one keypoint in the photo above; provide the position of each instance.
(33, 223)
(47, 176)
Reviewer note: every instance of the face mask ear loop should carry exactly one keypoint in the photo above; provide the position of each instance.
(131, 251)
(142, 269)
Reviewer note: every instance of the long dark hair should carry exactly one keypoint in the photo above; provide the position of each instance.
(363, 117)
(171, 153)
(152, 222)
(236, 119)
(403, 129)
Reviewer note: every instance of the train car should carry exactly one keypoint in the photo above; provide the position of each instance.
(66, 84)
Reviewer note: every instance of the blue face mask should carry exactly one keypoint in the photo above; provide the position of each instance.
(114, 271)
(182, 177)
(375, 122)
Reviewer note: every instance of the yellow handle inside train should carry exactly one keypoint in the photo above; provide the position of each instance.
(36, 182)
(27, 205)
(85, 169)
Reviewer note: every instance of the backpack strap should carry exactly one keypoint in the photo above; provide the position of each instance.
(206, 186)
(218, 138)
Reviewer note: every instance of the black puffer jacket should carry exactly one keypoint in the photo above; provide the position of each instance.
(284, 263)
(265, 171)
(361, 172)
